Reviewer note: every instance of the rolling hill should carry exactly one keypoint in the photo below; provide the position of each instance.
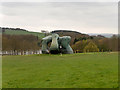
(75, 36)
(18, 31)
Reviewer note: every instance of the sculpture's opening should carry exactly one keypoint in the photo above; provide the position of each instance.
(54, 51)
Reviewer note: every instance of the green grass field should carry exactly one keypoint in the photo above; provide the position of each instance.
(87, 70)
(15, 32)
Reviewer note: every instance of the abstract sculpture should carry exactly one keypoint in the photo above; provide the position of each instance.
(58, 44)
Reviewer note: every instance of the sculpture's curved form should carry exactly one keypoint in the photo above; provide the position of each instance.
(45, 42)
(54, 48)
(64, 42)
(58, 44)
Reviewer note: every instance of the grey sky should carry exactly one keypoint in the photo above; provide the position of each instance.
(85, 17)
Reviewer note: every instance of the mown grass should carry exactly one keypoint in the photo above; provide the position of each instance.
(90, 70)
(17, 32)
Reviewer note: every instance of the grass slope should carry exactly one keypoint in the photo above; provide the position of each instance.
(90, 70)
(19, 32)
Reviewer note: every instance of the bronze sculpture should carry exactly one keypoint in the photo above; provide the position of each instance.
(58, 44)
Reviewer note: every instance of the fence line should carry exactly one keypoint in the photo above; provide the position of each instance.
(20, 52)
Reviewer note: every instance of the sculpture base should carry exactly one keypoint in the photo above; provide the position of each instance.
(54, 52)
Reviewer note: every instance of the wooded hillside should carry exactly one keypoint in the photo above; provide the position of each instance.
(20, 41)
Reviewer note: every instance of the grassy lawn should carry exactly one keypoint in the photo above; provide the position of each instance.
(90, 70)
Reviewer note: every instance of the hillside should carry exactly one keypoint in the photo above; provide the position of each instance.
(75, 36)
(18, 31)
(78, 40)
(107, 35)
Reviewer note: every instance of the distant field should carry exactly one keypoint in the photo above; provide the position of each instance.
(15, 32)
(90, 70)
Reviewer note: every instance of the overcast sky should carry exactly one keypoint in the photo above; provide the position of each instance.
(85, 17)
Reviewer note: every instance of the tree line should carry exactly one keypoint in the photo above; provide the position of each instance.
(19, 44)
(6, 28)
(97, 45)
(29, 44)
